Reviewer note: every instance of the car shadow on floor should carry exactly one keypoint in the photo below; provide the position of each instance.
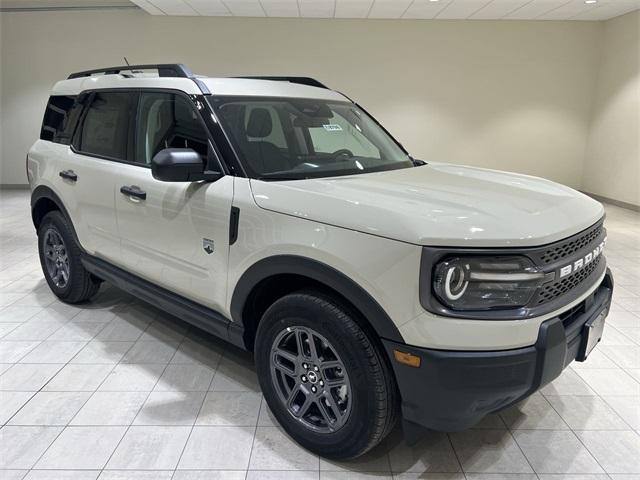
(151, 331)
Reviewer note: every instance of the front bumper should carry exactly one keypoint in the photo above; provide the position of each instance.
(453, 390)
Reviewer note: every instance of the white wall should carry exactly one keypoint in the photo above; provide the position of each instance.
(612, 166)
(507, 95)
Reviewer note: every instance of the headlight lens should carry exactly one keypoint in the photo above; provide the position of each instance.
(486, 283)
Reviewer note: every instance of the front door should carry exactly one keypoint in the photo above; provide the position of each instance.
(174, 234)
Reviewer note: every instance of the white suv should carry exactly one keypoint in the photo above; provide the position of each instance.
(279, 215)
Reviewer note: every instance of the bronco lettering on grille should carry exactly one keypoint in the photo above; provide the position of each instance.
(584, 261)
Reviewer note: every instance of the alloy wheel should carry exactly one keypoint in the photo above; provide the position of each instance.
(311, 379)
(56, 258)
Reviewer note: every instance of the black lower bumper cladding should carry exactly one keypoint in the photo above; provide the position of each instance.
(453, 390)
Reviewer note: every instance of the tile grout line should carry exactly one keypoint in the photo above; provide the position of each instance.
(576, 436)
(63, 428)
(141, 405)
(204, 399)
(453, 448)
(509, 429)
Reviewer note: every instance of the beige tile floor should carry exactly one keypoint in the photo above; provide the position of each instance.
(117, 390)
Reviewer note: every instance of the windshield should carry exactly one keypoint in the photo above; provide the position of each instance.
(292, 139)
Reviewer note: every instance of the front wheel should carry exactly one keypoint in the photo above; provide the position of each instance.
(324, 379)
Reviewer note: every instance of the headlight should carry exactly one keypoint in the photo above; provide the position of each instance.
(486, 283)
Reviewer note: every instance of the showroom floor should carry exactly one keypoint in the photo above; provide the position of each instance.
(117, 390)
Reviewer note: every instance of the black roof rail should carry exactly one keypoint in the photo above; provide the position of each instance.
(177, 70)
(311, 82)
(164, 70)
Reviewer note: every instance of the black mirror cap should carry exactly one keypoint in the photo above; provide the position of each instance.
(179, 165)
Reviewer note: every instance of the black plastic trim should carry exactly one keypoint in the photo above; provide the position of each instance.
(220, 139)
(198, 315)
(310, 82)
(174, 70)
(44, 192)
(68, 175)
(320, 272)
(454, 390)
(234, 221)
(164, 70)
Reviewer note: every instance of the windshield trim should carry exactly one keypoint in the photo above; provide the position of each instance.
(290, 176)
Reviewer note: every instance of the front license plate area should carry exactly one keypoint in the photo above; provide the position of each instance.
(591, 335)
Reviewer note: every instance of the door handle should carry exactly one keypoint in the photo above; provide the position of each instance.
(133, 191)
(69, 175)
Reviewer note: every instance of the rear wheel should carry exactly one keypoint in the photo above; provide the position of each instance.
(60, 261)
(324, 379)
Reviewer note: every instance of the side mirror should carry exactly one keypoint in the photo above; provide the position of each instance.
(180, 165)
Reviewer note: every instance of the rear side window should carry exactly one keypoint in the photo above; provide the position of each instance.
(105, 130)
(60, 119)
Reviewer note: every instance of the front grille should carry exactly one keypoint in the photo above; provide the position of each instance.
(570, 247)
(560, 287)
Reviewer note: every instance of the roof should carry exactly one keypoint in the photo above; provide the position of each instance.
(217, 86)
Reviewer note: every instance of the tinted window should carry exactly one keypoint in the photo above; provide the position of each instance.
(105, 131)
(60, 119)
(166, 120)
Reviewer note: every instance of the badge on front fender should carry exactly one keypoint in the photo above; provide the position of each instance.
(207, 245)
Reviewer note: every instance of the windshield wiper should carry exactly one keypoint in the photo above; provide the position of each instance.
(278, 176)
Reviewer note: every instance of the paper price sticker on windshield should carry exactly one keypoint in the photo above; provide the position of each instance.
(332, 128)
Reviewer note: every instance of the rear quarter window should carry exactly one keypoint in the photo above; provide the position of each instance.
(60, 119)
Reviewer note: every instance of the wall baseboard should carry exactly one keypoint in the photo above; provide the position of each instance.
(14, 186)
(617, 203)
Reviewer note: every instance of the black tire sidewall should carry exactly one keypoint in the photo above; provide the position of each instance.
(300, 310)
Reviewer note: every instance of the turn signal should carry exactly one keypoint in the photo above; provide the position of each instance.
(406, 358)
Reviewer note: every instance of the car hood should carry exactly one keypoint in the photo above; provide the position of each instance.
(438, 204)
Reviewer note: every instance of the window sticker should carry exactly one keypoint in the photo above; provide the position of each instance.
(332, 128)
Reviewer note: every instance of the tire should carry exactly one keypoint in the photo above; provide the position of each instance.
(348, 425)
(59, 252)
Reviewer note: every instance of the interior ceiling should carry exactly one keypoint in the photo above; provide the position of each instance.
(26, 5)
(394, 9)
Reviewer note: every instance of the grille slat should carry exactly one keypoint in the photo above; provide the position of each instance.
(563, 250)
(560, 287)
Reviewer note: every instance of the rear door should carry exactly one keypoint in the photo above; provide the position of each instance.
(89, 168)
(174, 234)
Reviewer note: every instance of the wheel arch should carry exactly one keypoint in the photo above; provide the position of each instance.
(45, 200)
(273, 277)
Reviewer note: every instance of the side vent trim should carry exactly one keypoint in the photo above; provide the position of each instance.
(233, 225)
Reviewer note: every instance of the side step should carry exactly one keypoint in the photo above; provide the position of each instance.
(198, 315)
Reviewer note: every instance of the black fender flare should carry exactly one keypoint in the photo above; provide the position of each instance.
(44, 192)
(322, 273)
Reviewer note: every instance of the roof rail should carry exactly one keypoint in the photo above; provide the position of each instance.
(164, 70)
(311, 82)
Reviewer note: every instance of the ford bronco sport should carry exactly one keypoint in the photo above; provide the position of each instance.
(279, 215)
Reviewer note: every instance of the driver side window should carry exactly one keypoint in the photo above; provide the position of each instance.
(167, 120)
